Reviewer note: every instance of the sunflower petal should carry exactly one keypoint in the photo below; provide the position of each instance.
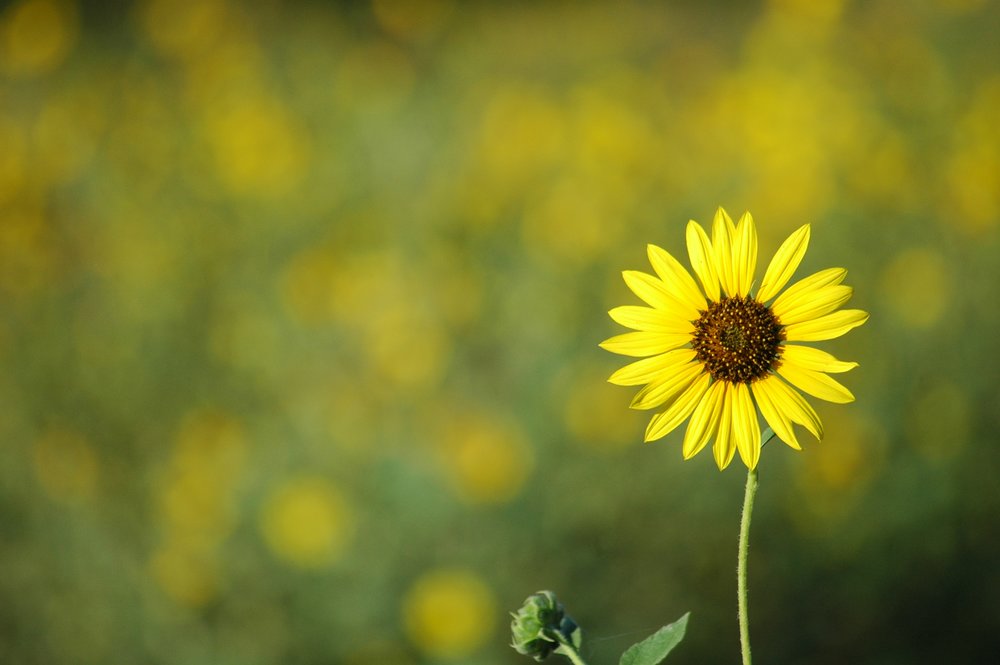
(788, 400)
(702, 259)
(722, 242)
(648, 370)
(650, 319)
(704, 420)
(673, 380)
(816, 384)
(644, 343)
(744, 254)
(676, 277)
(802, 289)
(663, 423)
(818, 303)
(830, 326)
(808, 357)
(784, 263)
(746, 429)
(723, 449)
(775, 417)
(654, 292)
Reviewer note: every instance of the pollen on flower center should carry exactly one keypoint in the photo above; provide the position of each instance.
(737, 339)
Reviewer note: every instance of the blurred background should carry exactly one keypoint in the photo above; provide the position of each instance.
(300, 304)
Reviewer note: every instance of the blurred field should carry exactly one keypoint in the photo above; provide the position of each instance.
(300, 304)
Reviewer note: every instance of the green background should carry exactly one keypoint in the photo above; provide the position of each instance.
(300, 305)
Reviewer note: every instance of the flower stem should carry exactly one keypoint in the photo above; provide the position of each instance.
(567, 649)
(741, 565)
(741, 559)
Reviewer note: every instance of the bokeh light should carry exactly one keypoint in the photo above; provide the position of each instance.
(449, 613)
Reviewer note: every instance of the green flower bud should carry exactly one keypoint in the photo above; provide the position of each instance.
(541, 625)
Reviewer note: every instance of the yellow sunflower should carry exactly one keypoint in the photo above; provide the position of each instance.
(715, 351)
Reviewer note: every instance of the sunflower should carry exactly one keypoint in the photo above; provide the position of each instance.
(716, 351)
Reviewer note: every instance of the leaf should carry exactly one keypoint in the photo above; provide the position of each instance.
(576, 636)
(655, 648)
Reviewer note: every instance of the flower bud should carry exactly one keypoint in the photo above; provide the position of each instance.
(541, 625)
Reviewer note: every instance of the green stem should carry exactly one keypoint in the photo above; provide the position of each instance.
(741, 565)
(741, 559)
(567, 649)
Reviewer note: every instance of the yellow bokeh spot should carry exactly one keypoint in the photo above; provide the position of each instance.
(197, 494)
(66, 464)
(522, 133)
(449, 613)
(888, 171)
(595, 418)
(307, 522)
(381, 300)
(36, 36)
(569, 222)
(973, 174)
(248, 337)
(487, 458)
(405, 346)
(973, 171)
(376, 75)
(937, 421)
(821, 10)
(198, 504)
(838, 461)
(259, 149)
(212, 440)
(783, 126)
(308, 285)
(13, 159)
(196, 501)
(917, 287)
(65, 135)
(141, 142)
(836, 470)
(183, 29)
(28, 258)
(610, 136)
(358, 280)
(186, 572)
(412, 20)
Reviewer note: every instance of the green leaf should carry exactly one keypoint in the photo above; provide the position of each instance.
(655, 648)
(576, 636)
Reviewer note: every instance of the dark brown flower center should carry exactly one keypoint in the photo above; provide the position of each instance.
(738, 340)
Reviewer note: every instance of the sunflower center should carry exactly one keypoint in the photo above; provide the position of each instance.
(732, 338)
(737, 339)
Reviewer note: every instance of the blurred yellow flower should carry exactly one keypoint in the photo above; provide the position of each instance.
(939, 420)
(917, 287)
(486, 457)
(66, 464)
(523, 133)
(449, 613)
(184, 29)
(13, 159)
(198, 507)
(713, 353)
(259, 147)
(36, 36)
(591, 417)
(187, 571)
(307, 522)
(412, 20)
(832, 483)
